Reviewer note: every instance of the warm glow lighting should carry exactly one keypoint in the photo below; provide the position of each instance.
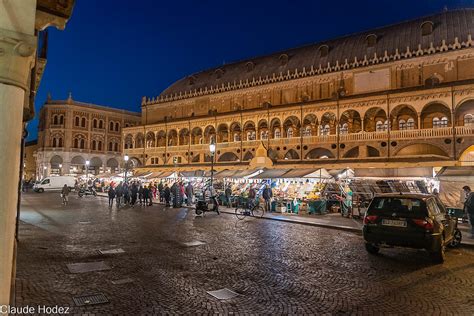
(87, 162)
(60, 165)
(212, 148)
(126, 158)
(45, 167)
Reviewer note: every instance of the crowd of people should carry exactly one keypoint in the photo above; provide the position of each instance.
(136, 193)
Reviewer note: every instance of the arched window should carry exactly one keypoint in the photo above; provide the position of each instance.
(83, 122)
(344, 129)
(76, 143)
(325, 130)
(60, 142)
(402, 125)
(101, 124)
(289, 132)
(307, 131)
(444, 121)
(99, 145)
(436, 122)
(117, 127)
(54, 142)
(379, 126)
(61, 119)
(77, 121)
(411, 123)
(111, 126)
(55, 120)
(277, 133)
(264, 135)
(116, 147)
(469, 120)
(110, 146)
(94, 145)
(236, 137)
(94, 123)
(83, 143)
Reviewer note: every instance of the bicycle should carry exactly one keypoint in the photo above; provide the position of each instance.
(250, 209)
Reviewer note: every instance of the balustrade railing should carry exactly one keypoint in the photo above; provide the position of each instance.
(464, 130)
(421, 133)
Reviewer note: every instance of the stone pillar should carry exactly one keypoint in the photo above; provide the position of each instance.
(17, 47)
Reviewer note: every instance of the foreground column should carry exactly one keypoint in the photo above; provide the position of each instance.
(17, 48)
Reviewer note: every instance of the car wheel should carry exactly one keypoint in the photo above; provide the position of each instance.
(40, 190)
(80, 194)
(198, 212)
(457, 237)
(371, 248)
(438, 256)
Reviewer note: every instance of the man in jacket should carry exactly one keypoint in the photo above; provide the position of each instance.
(167, 194)
(267, 196)
(111, 194)
(189, 193)
(469, 207)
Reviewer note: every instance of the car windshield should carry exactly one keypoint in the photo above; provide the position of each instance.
(397, 204)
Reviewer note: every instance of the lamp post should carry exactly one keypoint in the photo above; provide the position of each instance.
(60, 169)
(125, 158)
(44, 171)
(212, 149)
(87, 170)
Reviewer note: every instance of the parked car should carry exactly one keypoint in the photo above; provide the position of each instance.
(54, 183)
(418, 221)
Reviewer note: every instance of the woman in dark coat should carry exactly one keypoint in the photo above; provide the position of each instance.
(167, 194)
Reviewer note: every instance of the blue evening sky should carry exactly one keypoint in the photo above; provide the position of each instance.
(113, 52)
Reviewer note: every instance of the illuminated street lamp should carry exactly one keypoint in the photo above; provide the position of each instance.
(87, 170)
(212, 149)
(44, 171)
(60, 169)
(126, 166)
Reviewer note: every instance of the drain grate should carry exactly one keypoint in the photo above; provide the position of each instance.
(111, 251)
(92, 299)
(223, 294)
(87, 267)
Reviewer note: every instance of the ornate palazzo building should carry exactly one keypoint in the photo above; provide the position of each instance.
(401, 95)
(71, 132)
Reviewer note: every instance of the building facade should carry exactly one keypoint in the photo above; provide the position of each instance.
(71, 133)
(29, 160)
(401, 95)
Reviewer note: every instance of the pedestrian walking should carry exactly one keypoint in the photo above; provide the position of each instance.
(119, 194)
(134, 193)
(111, 194)
(160, 191)
(167, 194)
(189, 193)
(150, 195)
(267, 196)
(64, 194)
(145, 193)
(469, 206)
(140, 194)
(154, 190)
(228, 194)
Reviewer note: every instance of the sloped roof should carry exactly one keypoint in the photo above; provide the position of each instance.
(393, 39)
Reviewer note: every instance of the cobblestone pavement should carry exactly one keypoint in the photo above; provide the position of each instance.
(276, 267)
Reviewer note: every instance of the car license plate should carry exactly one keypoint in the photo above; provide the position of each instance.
(394, 222)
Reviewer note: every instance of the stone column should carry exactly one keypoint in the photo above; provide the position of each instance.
(17, 48)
